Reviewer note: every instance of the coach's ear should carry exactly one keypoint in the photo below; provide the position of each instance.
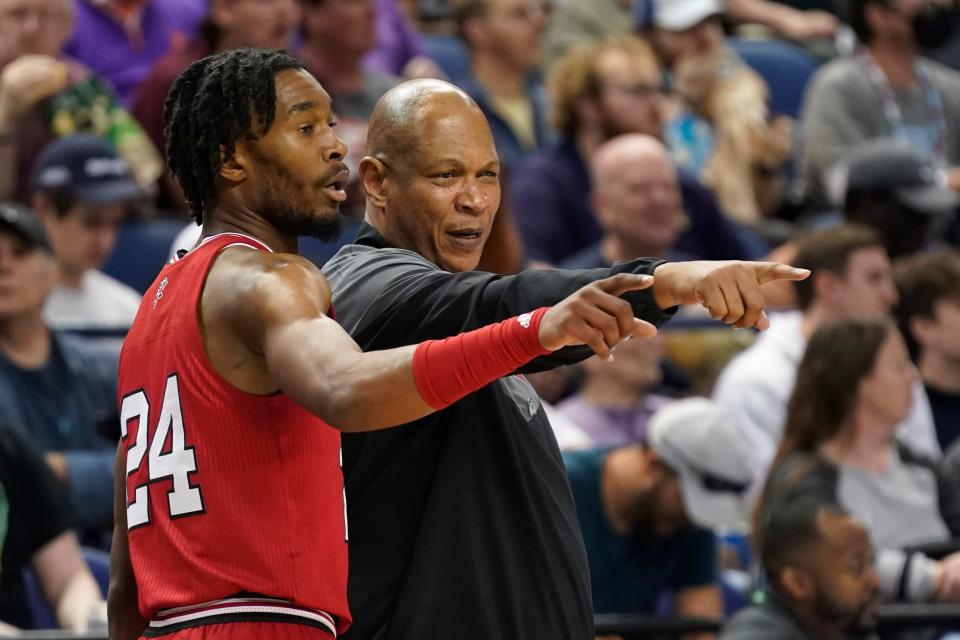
(233, 166)
(373, 176)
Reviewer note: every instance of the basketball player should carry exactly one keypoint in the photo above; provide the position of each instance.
(229, 508)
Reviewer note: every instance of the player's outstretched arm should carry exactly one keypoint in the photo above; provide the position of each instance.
(123, 614)
(281, 315)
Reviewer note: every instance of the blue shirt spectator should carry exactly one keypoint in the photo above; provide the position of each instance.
(551, 204)
(630, 572)
(60, 406)
(51, 388)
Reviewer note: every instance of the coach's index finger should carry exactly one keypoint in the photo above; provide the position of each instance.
(770, 271)
(623, 282)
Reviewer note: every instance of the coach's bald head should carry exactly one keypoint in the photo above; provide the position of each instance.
(431, 176)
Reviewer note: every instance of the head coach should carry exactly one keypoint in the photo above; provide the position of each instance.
(464, 527)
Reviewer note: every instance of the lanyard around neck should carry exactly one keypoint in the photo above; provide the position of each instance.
(891, 108)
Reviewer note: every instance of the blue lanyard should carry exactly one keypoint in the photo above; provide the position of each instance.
(891, 109)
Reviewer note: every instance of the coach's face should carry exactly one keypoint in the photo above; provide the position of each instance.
(442, 201)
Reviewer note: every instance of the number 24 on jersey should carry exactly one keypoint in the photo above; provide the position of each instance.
(177, 463)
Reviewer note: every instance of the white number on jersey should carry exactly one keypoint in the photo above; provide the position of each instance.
(176, 463)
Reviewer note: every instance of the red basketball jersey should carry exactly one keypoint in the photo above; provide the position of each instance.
(227, 492)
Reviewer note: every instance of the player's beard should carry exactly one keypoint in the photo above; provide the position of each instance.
(300, 220)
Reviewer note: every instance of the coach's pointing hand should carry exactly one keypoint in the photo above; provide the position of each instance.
(596, 316)
(730, 290)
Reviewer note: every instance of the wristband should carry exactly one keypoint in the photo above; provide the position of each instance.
(447, 370)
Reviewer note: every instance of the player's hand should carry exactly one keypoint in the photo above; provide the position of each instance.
(28, 80)
(596, 316)
(730, 290)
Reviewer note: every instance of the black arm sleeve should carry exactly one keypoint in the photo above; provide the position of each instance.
(392, 297)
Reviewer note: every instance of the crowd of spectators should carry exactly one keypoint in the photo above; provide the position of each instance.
(625, 128)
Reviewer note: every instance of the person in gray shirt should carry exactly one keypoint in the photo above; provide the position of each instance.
(885, 89)
(818, 561)
(838, 445)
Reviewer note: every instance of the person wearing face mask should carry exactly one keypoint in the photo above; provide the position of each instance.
(886, 89)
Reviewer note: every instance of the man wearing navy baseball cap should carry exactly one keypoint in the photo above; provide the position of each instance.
(900, 191)
(82, 190)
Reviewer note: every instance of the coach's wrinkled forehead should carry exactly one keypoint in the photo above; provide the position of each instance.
(406, 118)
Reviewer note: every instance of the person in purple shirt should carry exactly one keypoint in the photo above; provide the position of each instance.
(601, 91)
(120, 40)
(400, 48)
(615, 402)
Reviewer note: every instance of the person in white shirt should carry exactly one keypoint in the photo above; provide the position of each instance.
(851, 276)
(82, 190)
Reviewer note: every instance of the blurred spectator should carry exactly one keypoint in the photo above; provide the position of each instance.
(82, 193)
(582, 22)
(615, 401)
(929, 318)
(601, 91)
(504, 38)
(122, 39)
(50, 387)
(338, 34)
(811, 23)
(717, 116)
(853, 387)
(45, 94)
(637, 202)
(851, 276)
(34, 519)
(822, 583)
(643, 510)
(892, 186)
(400, 50)
(270, 24)
(887, 89)
(898, 189)
(813, 20)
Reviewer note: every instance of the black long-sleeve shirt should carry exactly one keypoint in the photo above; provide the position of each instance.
(462, 524)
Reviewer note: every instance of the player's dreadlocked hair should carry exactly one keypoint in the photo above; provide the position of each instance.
(210, 106)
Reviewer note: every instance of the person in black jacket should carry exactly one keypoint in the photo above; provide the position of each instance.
(462, 525)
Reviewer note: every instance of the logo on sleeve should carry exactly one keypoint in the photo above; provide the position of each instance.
(524, 320)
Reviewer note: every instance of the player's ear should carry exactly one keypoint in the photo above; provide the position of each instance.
(373, 177)
(233, 166)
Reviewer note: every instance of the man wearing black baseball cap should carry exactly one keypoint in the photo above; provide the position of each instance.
(899, 190)
(52, 389)
(82, 190)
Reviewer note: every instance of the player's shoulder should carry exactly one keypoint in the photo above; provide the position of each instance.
(251, 266)
(243, 280)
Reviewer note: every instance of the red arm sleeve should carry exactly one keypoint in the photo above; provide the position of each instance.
(447, 370)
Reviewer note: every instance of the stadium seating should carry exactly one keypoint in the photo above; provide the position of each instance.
(786, 68)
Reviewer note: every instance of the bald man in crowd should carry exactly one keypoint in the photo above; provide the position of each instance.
(464, 527)
(636, 197)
